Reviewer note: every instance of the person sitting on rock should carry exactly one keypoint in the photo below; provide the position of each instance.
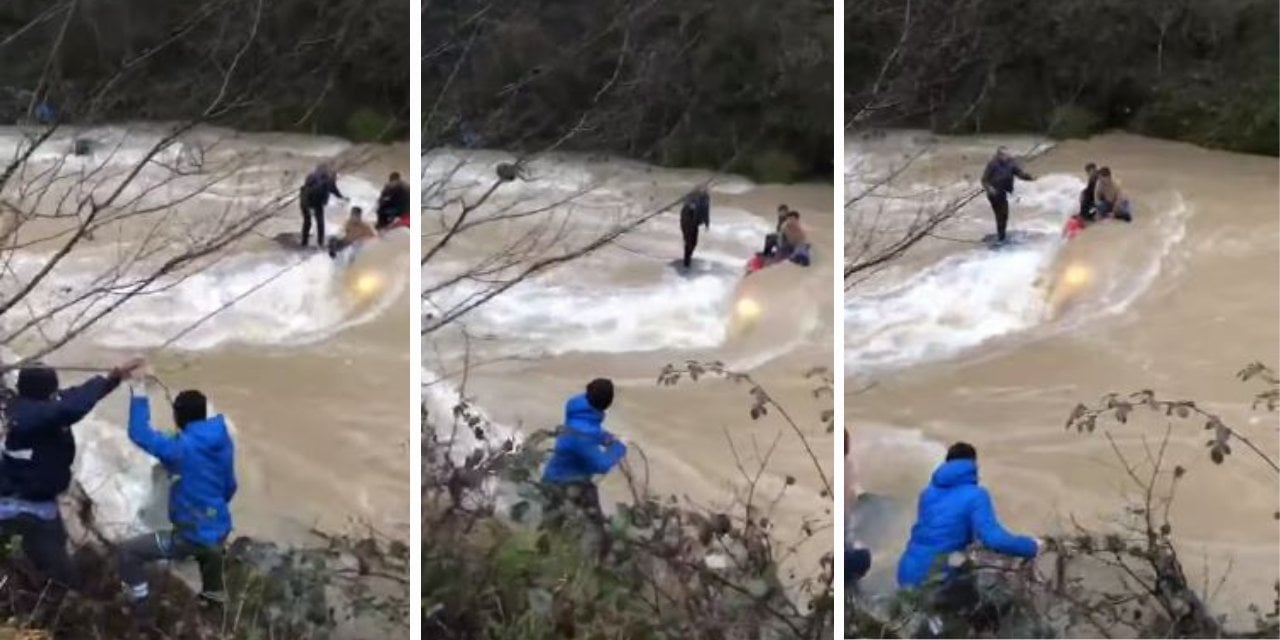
(355, 231)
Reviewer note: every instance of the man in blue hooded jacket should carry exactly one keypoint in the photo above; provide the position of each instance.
(584, 449)
(200, 459)
(39, 449)
(955, 511)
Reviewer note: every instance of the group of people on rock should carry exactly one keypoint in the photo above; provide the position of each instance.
(36, 468)
(789, 241)
(322, 183)
(1101, 197)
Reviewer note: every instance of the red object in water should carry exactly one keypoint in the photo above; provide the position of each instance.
(1073, 227)
(755, 264)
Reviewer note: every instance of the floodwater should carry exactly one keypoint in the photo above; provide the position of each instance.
(305, 358)
(955, 342)
(625, 311)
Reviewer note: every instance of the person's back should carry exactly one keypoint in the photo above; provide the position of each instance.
(584, 449)
(356, 230)
(793, 233)
(200, 458)
(319, 185)
(953, 512)
(200, 461)
(39, 447)
(1107, 190)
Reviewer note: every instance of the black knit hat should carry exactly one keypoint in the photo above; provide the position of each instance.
(600, 393)
(37, 382)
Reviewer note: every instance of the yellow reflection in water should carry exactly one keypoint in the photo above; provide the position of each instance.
(367, 284)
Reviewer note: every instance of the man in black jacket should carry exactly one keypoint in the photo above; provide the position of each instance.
(997, 180)
(1086, 196)
(695, 211)
(314, 197)
(393, 202)
(39, 449)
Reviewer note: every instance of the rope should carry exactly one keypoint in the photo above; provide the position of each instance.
(169, 342)
(230, 303)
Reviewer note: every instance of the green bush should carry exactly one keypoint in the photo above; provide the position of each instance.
(775, 166)
(367, 125)
(1070, 121)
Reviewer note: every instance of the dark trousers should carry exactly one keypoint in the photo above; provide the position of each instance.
(857, 562)
(45, 543)
(336, 245)
(386, 217)
(690, 234)
(135, 554)
(1000, 206)
(1086, 204)
(583, 497)
(310, 211)
(770, 245)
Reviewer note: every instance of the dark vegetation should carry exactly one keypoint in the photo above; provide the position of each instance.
(1204, 72)
(337, 587)
(744, 85)
(324, 67)
(499, 562)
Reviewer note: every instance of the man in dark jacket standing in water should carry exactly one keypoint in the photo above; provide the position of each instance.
(39, 449)
(393, 202)
(997, 180)
(200, 459)
(695, 211)
(314, 197)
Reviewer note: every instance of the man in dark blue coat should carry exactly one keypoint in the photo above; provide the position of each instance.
(695, 212)
(39, 449)
(997, 180)
(953, 513)
(314, 197)
(200, 459)
(584, 449)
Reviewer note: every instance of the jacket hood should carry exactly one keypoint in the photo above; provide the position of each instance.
(210, 433)
(580, 416)
(955, 473)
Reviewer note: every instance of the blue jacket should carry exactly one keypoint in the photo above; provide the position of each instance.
(581, 450)
(953, 513)
(200, 460)
(39, 447)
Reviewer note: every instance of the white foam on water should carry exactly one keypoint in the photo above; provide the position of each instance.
(304, 304)
(967, 299)
(558, 318)
(964, 299)
(599, 303)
